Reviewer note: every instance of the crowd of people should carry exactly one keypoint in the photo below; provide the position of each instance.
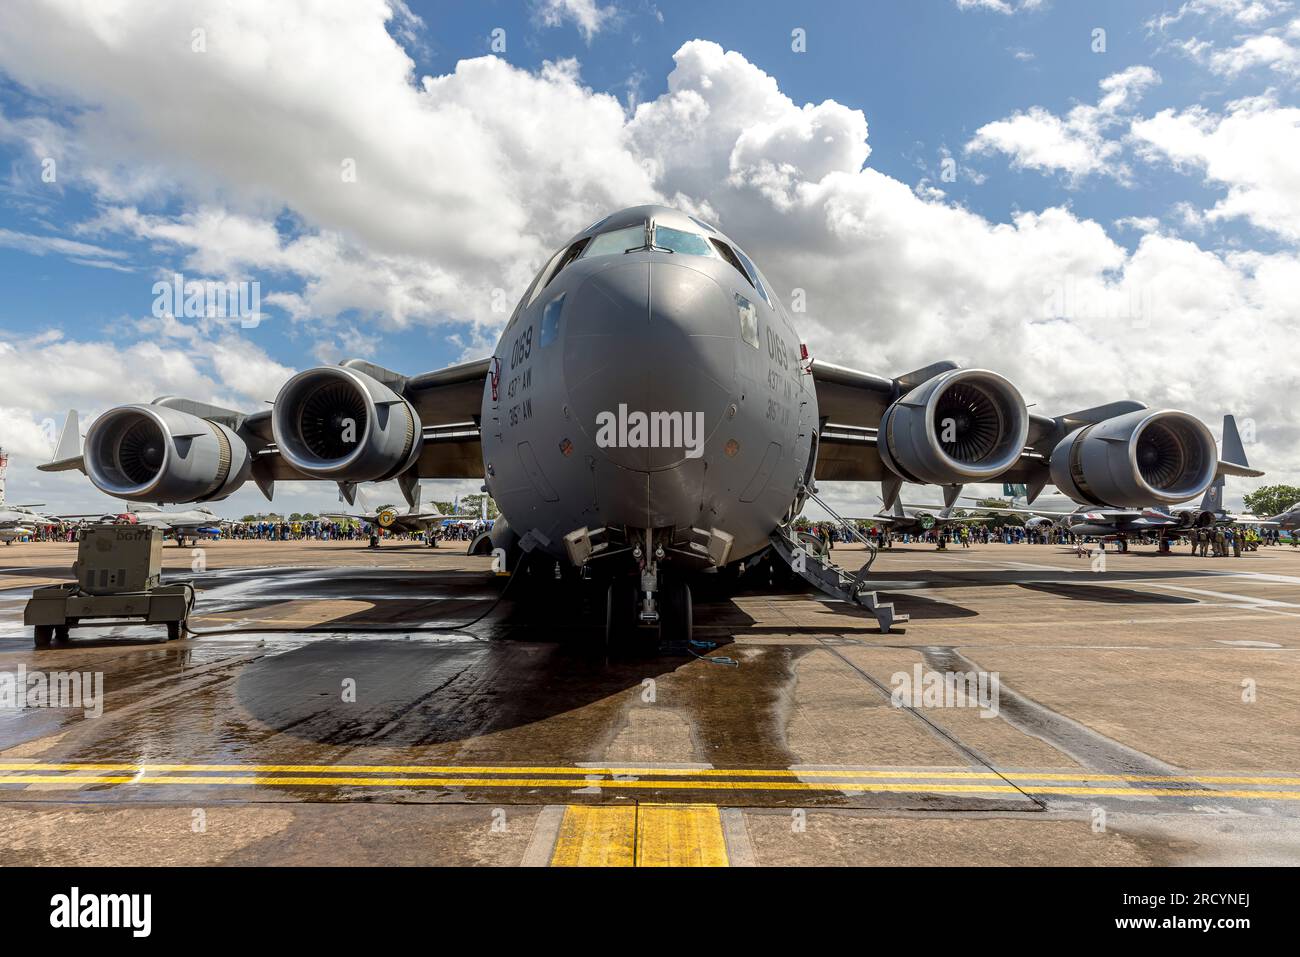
(319, 529)
(1221, 540)
(316, 529)
(322, 529)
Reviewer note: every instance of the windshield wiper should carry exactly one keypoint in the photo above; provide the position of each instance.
(649, 243)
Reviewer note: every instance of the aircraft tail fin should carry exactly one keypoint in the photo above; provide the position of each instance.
(1232, 450)
(1212, 500)
(67, 451)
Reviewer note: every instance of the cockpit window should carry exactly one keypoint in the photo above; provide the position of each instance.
(666, 238)
(570, 254)
(540, 282)
(729, 254)
(703, 224)
(615, 242)
(552, 269)
(680, 241)
(753, 275)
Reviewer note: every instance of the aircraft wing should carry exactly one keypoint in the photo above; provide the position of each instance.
(1250, 520)
(448, 402)
(1039, 512)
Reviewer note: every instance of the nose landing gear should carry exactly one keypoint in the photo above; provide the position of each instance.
(663, 615)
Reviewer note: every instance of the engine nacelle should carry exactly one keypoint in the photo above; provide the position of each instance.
(966, 425)
(337, 423)
(151, 453)
(1135, 460)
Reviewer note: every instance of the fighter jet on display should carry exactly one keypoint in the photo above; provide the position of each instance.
(191, 523)
(391, 518)
(649, 412)
(1289, 519)
(920, 519)
(1120, 524)
(17, 521)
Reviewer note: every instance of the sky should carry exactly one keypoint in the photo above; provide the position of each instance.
(1100, 200)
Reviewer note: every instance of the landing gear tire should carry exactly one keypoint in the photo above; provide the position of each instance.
(676, 611)
(620, 611)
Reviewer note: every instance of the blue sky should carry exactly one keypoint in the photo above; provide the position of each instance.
(928, 77)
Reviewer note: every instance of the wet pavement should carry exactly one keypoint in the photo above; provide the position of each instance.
(332, 711)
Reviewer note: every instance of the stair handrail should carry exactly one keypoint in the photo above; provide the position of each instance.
(849, 527)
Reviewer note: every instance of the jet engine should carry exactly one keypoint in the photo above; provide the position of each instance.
(1138, 459)
(151, 453)
(965, 425)
(1194, 518)
(338, 423)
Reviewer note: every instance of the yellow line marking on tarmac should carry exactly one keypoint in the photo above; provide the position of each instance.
(582, 775)
(647, 835)
(680, 835)
(596, 837)
(700, 785)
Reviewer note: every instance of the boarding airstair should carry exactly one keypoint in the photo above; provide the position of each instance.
(813, 564)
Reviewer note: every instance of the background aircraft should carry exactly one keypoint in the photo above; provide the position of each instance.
(1288, 519)
(412, 520)
(920, 519)
(650, 412)
(179, 524)
(18, 520)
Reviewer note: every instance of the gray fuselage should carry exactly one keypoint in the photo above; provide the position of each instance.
(648, 390)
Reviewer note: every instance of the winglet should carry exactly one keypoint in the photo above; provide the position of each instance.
(67, 451)
(1231, 449)
(1232, 453)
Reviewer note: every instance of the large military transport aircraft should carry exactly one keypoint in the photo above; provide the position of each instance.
(650, 412)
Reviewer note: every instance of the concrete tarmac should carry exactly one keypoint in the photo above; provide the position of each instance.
(1145, 712)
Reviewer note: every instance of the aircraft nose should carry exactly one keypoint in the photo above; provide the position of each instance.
(650, 337)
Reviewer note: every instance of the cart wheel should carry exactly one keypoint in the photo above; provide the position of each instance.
(175, 630)
(43, 634)
(60, 634)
